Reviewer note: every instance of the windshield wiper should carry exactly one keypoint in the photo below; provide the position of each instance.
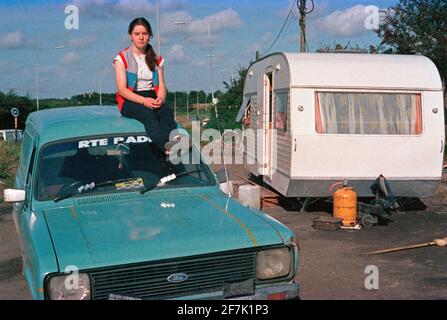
(79, 187)
(162, 183)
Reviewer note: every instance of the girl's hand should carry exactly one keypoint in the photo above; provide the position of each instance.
(159, 102)
(149, 103)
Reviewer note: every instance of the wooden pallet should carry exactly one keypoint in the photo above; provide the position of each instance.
(269, 199)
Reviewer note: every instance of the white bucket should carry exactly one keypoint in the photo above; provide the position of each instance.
(227, 186)
(250, 195)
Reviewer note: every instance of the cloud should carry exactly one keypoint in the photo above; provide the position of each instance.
(344, 23)
(173, 4)
(83, 4)
(125, 8)
(69, 58)
(134, 8)
(95, 8)
(15, 40)
(226, 19)
(83, 42)
(169, 22)
(176, 55)
(196, 30)
(205, 41)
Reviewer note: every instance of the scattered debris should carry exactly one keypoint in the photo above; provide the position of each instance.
(269, 199)
(327, 223)
(384, 204)
(436, 242)
(358, 226)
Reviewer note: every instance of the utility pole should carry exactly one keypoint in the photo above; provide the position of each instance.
(303, 42)
(37, 88)
(37, 72)
(100, 93)
(175, 106)
(211, 65)
(158, 29)
(197, 93)
(187, 106)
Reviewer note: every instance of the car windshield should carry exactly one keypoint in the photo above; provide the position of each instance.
(129, 160)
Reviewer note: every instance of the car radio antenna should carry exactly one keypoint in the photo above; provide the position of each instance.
(222, 149)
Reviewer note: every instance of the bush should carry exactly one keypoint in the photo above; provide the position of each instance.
(229, 102)
(227, 118)
(9, 155)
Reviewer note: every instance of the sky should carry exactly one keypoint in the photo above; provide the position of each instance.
(78, 59)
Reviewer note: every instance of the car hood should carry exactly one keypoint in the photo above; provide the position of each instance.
(154, 228)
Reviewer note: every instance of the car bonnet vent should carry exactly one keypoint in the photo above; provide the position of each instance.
(123, 197)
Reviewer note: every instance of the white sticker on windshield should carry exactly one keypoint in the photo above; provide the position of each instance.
(112, 141)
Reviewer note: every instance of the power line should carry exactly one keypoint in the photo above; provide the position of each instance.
(302, 9)
(282, 28)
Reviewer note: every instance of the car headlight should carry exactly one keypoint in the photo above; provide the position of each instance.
(75, 286)
(274, 263)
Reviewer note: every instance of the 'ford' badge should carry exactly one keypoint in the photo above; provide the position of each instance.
(178, 277)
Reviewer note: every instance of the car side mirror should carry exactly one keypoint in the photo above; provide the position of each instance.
(225, 185)
(14, 195)
(221, 176)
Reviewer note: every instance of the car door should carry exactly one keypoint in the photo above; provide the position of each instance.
(22, 211)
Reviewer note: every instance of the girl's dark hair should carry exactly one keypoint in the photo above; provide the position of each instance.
(151, 57)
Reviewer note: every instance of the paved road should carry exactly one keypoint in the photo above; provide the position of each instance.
(332, 263)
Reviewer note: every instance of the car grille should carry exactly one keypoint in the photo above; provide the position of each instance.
(149, 281)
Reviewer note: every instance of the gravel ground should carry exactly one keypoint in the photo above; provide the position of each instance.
(332, 263)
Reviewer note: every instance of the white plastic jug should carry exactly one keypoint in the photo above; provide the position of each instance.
(250, 195)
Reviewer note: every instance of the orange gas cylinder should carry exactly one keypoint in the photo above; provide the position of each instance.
(345, 206)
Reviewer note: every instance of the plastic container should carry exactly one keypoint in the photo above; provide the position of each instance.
(250, 195)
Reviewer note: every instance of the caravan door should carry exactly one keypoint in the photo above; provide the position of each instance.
(268, 122)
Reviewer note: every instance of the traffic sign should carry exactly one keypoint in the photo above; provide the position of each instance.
(15, 112)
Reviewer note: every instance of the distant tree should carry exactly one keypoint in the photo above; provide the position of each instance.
(347, 48)
(417, 27)
(9, 100)
(229, 102)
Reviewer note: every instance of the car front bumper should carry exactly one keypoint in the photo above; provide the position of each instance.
(288, 291)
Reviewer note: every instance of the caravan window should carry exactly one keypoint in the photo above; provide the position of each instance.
(281, 110)
(368, 113)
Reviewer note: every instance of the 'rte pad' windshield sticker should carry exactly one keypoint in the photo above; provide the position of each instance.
(112, 141)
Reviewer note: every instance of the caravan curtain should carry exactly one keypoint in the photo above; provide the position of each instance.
(281, 110)
(368, 113)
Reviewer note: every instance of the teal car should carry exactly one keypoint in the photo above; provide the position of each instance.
(95, 222)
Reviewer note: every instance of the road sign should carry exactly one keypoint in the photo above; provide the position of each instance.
(15, 112)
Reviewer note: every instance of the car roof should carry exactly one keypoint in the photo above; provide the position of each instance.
(71, 122)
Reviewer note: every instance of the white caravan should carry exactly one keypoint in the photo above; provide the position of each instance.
(314, 119)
